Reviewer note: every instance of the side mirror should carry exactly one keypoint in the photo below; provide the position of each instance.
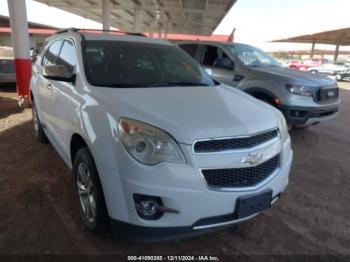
(59, 73)
(224, 63)
(209, 71)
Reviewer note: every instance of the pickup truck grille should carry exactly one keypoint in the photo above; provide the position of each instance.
(217, 145)
(240, 177)
(326, 94)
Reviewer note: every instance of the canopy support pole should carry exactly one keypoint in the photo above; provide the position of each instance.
(336, 53)
(136, 19)
(312, 50)
(21, 47)
(106, 14)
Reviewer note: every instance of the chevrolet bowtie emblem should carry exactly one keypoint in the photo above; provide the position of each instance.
(253, 158)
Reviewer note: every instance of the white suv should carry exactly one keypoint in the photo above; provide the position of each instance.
(158, 149)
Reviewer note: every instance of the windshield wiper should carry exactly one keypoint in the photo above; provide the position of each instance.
(163, 84)
(176, 84)
(121, 85)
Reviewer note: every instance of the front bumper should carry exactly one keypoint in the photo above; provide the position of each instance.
(306, 116)
(181, 187)
(151, 234)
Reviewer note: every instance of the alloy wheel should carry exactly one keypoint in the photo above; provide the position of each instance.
(86, 192)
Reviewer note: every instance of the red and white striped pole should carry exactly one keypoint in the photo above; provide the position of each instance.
(21, 48)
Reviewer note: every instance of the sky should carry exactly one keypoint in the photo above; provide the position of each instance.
(257, 22)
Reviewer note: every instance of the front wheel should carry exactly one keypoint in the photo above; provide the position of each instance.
(338, 77)
(91, 201)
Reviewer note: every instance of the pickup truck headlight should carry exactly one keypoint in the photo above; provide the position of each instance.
(282, 125)
(300, 89)
(148, 144)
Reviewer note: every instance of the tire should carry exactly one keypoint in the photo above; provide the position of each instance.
(338, 77)
(313, 71)
(38, 128)
(268, 101)
(91, 202)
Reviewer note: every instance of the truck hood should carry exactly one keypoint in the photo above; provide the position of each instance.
(190, 113)
(295, 76)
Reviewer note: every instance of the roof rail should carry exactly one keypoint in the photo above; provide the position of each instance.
(72, 29)
(66, 30)
(111, 31)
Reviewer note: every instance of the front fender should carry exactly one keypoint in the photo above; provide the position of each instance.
(99, 128)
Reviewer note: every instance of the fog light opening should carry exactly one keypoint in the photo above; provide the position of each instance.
(151, 207)
(147, 207)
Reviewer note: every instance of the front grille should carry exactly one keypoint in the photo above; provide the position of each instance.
(215, 145)
(323, 94)
(240, 177)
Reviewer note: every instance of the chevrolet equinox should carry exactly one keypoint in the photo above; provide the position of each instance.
(158, 149)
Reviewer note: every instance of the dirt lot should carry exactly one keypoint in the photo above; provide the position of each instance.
(38, 213)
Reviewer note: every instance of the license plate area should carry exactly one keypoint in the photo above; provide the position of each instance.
(251, 204)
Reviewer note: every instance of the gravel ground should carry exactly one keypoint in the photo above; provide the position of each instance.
(38, 213)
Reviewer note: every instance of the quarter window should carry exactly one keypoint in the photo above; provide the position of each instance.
(67, 56)
(50, 57)
(212, 54)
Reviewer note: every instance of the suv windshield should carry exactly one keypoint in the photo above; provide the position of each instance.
(130, 64)
(252, 56)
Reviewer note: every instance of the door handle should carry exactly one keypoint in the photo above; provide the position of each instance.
(49, 86)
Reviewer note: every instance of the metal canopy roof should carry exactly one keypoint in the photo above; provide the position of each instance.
(5, 23)
(178, 16)
(333, 37)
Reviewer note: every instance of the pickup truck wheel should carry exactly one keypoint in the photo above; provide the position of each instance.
(38, 129)
(313, 71)
(269, 101)
(338, 77)
(91, 201)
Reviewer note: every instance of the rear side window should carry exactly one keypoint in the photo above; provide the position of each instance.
(212, 54)
(67, 56)
(190, 49)
(51, 54)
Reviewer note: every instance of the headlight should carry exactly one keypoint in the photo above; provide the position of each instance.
(148, 144)
(300, 89)
(282, 125)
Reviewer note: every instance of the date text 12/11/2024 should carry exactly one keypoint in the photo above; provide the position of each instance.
(173, 258)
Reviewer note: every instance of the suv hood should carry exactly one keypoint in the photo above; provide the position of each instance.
(190, 113)
(294, 76)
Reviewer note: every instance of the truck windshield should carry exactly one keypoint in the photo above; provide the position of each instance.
(252, 56)
(130, 64)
